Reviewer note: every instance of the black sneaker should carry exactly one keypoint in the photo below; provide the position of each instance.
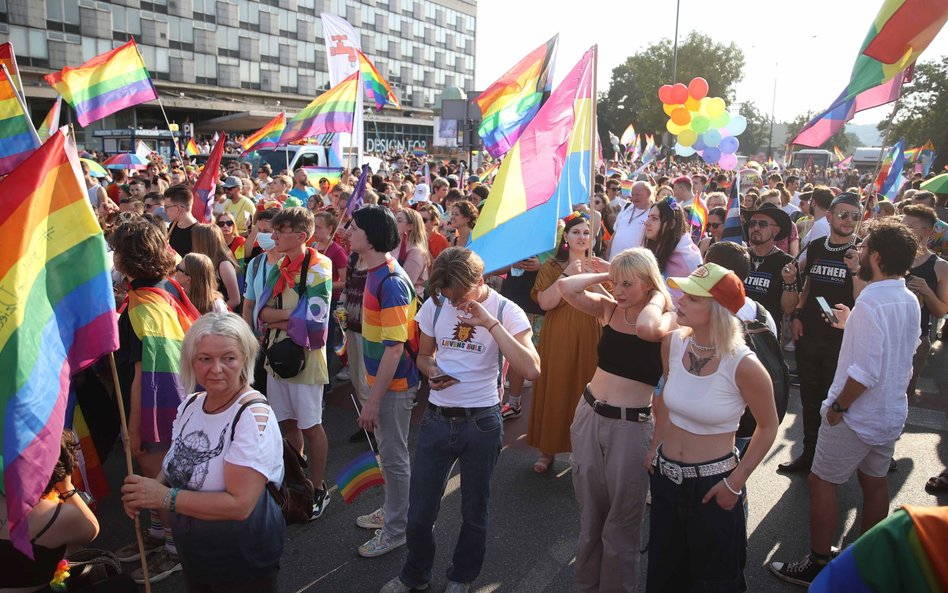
(803, 572)
(320, 502)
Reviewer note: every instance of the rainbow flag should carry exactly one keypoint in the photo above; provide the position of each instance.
(913, 154)
(376, 87)
(845, 163)
(625, 187)
(698, 218)
(268, 136)
(839, 153)
(206, 184)
(332, 111)
(191, 148)
(59, 312)
(8, 59)
(513, 100)
(489, 173)
(903, 552)
(899, 33)
(51, 121)
(314, 174)
(891, 171)
(89, 475)
(636, 150)
(628, 136)
(362, 473)
(18, 138)
(545, 172)
(105, 84)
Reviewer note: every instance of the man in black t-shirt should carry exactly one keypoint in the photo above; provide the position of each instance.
(765, 283)
(178, 201)
(828, 273)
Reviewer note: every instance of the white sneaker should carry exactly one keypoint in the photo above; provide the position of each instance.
(373, 520)
(343, 375)
(380, 544)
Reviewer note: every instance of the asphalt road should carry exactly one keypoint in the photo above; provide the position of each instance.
(534, 519)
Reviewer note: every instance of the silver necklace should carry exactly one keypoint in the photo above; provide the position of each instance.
(625, 317)
(758, 260)
(826, 245)
(697, 346)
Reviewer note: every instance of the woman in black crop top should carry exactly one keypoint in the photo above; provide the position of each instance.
(59, 519)
(612, 426)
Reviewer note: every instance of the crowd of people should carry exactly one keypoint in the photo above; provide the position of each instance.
(632, 331)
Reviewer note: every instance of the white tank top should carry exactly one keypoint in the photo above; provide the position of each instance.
(710, 404)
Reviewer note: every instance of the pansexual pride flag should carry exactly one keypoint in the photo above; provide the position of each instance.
(362, 473)
(332, 111)
(105, 84)
(18, 138)
(513, 100)
(376, 87)
(268, 136)
(58, 315)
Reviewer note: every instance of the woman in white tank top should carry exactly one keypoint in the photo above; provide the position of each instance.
(697, 529)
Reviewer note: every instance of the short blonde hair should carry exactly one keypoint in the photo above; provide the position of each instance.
(227, 325)
(639, 264)
(725, 329)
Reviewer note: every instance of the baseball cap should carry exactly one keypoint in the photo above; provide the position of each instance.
(711, 280)
(421, 193)
(232, 182)
(848, 198)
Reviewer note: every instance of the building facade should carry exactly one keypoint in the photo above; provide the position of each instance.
(231, 65)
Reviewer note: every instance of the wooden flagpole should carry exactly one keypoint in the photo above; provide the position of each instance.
(596, 218)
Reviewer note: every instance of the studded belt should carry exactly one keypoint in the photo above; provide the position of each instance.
(677, 473)
(616, 413)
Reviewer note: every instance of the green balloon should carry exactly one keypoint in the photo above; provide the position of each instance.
(700, 124)
(720, 121)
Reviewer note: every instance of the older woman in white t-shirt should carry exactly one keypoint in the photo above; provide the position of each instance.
(226, 447)
(465, 329)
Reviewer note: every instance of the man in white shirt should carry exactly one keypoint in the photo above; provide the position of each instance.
(866, 407)
(629, 228)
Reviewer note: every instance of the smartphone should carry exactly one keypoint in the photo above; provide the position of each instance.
(827, 310)
(442, 378)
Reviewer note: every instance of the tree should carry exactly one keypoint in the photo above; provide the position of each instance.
(633, 91)
(846, 141)
(923, 111)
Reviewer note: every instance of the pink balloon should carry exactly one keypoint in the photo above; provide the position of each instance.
(728, 162)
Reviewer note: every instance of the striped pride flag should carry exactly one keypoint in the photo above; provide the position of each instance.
(191, 148)
(58, 315)
(51, 121)
(268, 136)
(332, 174)
(8, 59)
(105, 84)
(376, 87)
(362, 473)
(18, 138)
(332, 111)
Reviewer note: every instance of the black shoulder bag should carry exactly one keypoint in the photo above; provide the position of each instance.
(286, 357)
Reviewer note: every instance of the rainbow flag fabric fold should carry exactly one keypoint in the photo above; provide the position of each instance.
(839, 153)
(107, 83)
(698, 218)
(51, 121)
(362, 473)
(376, 87)
(18, 139)
(191, 148)
(89, 475)
(268, 136)
(8, 59)
(513, 100)
(332, 111)
(58, 315)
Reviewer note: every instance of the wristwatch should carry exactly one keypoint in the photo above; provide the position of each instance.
(837, 408)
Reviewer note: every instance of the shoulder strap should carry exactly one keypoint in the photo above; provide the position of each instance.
(437, 312)
(190, 401)
(59, 507)
(240, 410)
(304, 272)
(500, 318)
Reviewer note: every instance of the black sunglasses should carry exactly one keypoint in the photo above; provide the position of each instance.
(761, 223)
(225, 223)
(847, 215)
(715, 225)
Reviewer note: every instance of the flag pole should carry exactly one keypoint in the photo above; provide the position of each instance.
(22, 103)
(123, 423)
(365, 430)
(593, 154)
(885, 138)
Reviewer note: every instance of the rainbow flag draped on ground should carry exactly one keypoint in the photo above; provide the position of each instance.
(513, 100)
(206, 184)
(332, 111)
(376, 87)
(58, 315)
(105, 84)
(898, 35)
(542, 176)
(904, 552)
(362, 473)
(268, 136)
(18, 139)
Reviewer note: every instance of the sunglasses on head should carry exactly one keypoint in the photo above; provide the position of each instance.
(225, 223)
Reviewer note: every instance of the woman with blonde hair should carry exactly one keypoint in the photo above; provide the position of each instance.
(612, 426)
(208, 239)
(412, 251)
(195, 274)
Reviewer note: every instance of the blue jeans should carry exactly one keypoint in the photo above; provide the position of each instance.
(475, 440)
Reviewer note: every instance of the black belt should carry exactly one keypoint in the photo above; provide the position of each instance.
(604, 409)
(457, 412)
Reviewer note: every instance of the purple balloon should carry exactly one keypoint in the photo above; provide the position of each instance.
(729, 145)
(711, 155)
(699, 144)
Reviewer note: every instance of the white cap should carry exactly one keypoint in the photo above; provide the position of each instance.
(421, 193)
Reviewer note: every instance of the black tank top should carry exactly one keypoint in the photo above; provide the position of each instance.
(926, 271)
(20, 571)
(629, 356)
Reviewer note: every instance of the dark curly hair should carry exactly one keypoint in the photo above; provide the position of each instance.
(68, 445)
(141, 252)
(468, 211)
(673, 227)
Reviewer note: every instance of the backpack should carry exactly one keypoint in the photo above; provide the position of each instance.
(765, 345)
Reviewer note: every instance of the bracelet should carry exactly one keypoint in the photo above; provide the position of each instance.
(491, 328)
(797, 314)
(164, 503)
(174, 498)
(655, 305)
(731, 490)
(790, 287)
(68, 493)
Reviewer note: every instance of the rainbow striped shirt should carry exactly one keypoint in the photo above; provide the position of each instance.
(388, 313)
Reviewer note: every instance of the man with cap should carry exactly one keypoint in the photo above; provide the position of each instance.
(829, 272)
(421, 194)
(764, 282)
(238, 205)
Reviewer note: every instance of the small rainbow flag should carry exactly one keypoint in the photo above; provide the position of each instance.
(191, 148)
(698, 218)
(314, 174)
(105, 84)
(489, 173)
(376, 87)
(332, 111)
(362, 473)
(628, 136)
(18, 138)
(268, 136)
(839, 153)
(89, 474)
(625, 186)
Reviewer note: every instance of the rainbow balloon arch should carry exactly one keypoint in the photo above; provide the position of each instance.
(702, 124)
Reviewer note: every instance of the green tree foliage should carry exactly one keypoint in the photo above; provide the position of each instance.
(633, 92)
(756, 137)
(923, 110)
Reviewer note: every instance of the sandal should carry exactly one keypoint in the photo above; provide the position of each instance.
(935, 485)
(543, 464)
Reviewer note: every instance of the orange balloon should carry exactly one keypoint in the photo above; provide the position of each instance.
(681, 116)
(668, 108)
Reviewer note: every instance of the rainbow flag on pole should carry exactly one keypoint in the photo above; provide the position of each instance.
(545, 172)
(376, 87)
(332, 111)
(628, 136)
(331, 174)
(268, 136)
(8, 59)
(18, 138)
(698, 218)
(839, 153)
(105, 84)
(362, 473)
(191, 148)
(51, 121)
(58, 312)
(513, 100)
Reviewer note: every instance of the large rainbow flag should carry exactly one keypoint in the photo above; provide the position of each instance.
(332, 111)
(899, 33)
(105, 84)
(513, 100)
(362, 473)
(206, 184)
(58, 315)
(268, 136)
(376, 87)
(18, 138)
(545, 172)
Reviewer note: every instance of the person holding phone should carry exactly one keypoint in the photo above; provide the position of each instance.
(465, 328)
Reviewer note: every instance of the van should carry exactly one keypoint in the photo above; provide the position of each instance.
(290, 157)
(866, 158)
(818, 159)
